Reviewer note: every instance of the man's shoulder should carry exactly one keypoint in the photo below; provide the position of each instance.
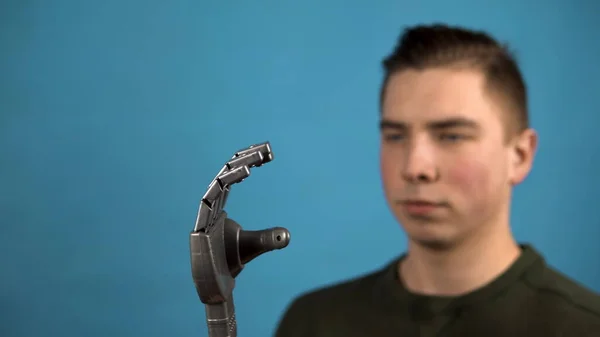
(566, 299)
(305, 313)
(342, 291)
(563, 289)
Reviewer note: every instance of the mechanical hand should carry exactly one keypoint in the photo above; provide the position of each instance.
(220, 248)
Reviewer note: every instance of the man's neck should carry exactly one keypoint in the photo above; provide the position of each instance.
(460, 270)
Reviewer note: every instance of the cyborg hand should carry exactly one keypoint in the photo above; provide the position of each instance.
(219, 248)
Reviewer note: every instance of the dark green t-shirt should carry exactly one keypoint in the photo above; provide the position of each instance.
(530, 299)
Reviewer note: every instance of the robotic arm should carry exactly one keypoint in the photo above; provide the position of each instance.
(220, 248)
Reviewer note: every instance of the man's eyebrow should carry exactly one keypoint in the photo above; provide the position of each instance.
(448, 123)
(453, 122)
(387, 124)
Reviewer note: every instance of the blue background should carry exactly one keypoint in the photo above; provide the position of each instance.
(115, 115)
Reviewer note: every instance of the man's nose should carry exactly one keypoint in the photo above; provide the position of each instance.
(419, 164)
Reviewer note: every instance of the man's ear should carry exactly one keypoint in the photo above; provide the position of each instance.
(523, 149)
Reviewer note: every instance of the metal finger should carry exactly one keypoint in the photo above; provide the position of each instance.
(204, 217)
(234, 176)
(234, 171)
(245, 150)
(251, 160)
(227, 179)
(206, 212)
(249, 156)
(213, 192)
(224, 169)
(212, 202)
(220, 202)
(216, 197)
(242, 151)
(264, 148)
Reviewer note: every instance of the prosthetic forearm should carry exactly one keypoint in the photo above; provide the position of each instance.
(220, 248)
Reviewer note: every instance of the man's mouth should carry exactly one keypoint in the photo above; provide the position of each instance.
(420, 207)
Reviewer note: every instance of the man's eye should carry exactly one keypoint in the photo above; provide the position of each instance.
(393, 137)
(451, 137)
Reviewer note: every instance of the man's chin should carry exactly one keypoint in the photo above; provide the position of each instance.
(432, 236)
(434, 244)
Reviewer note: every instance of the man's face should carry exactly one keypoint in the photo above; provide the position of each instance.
(446, 166)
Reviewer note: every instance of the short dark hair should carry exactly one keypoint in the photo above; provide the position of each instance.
(439, 45)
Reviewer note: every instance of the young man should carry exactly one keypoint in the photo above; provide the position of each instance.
(455, 139)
